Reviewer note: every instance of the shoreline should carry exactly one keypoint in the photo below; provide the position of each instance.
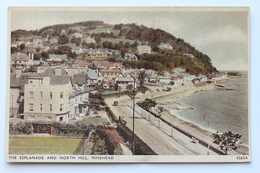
(199, 131)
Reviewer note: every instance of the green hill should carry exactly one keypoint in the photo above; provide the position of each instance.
(129, 33)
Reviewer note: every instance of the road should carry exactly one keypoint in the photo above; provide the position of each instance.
(158, 140)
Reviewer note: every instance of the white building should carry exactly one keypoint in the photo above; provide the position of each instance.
(144, 49)
(189, 55)
(57, 58)
(166, 46)
(47, 98)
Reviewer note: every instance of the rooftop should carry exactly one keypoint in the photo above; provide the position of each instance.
(59, 80)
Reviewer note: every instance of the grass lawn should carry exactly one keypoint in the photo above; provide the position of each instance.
(43, 145)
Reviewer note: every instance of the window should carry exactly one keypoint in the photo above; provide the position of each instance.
(50, 107)
(61, 107)
(50, 94)
(61, 118)
(40, 107)
(49, 117)
(30, 106)
(31, 117)
(61, 95)
(41, 94)
(31, 94)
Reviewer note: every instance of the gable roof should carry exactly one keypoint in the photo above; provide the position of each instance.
(110, 72)
(81, 63)
(79, 79)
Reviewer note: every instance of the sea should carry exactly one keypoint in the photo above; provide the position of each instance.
(221, 110)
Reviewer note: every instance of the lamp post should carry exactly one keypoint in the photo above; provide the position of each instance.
(133, 97)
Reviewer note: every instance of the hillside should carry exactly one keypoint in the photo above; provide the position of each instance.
(129, 33)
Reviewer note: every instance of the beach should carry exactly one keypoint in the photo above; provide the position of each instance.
(173, 108)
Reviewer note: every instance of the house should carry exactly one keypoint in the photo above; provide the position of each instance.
(57, 58)
(82, 66)
(53, 41)
(130, 57)
(47, 98)
(17, 82)
(144, 49)
(164, 80)
(109, 85)
(78, 103)
(177, 79)
(76, 35)
(94, 77)
(106, 65)
(122, 81)
(88, 39)
(79, 81)
(165, 46)
(20, 60)
(154, 78)
(97, 53)
(108, 75)
(189, 55)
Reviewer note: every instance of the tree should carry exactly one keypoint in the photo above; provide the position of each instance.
(13, 50)
(112, 59)
(143, 90)
(227, 140)
(127, 45)
(45, 55)
(135, 44)
(63, 39)
(141, 78)
(147, 104)
(22, 46)
(131, 92)
(92, 45)
(123, 51)
(75, 40)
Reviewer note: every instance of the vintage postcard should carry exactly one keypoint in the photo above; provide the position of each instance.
(128, 85)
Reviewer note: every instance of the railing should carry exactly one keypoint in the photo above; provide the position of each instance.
(168, 128)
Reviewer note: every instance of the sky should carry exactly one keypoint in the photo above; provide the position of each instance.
(222, 34)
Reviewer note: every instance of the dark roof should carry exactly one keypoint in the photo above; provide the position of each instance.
(47, 72)
(19, 82)
(59, 80)
(79, 79)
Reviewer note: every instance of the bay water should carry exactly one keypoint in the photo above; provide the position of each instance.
(221, 110)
